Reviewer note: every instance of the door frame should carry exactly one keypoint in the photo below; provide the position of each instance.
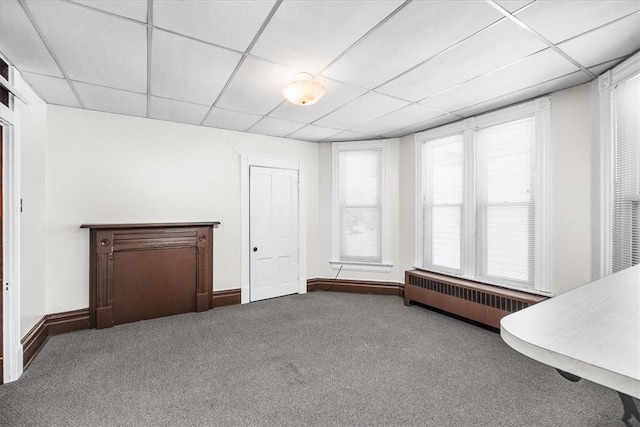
(12, 347)
(245, 217)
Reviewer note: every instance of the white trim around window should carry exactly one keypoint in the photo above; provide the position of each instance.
(467, 130)
(376, 263)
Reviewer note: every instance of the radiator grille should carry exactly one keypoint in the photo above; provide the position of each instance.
(498, 302)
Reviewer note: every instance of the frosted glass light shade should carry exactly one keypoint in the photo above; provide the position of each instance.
(303, 90)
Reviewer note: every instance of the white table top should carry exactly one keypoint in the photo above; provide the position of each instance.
(592, 331)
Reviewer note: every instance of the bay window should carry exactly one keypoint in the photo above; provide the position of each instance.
(482, 188)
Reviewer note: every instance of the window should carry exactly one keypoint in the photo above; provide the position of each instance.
(444, 161)
(360, 205)
(620, 97)
(482, 213)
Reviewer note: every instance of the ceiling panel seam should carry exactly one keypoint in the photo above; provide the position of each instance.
(53, 56)
(244, 56)
(540, 37)
(481, 76)
(599, 27)
(175, 33)
(149, 50)
(367, 34)
(512, 93)
(442, 52)
(106, 12)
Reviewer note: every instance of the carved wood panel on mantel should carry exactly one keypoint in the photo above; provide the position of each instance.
(145, 271)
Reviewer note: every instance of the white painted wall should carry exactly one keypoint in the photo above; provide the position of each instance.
(575, 198)
(107, 168)
(33, 145)
(407, 202)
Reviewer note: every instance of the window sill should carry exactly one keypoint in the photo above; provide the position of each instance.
(361, 266)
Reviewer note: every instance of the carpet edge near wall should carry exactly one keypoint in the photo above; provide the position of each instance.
(76, 320)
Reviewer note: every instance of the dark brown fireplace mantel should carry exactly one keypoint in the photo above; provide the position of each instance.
(144, 271)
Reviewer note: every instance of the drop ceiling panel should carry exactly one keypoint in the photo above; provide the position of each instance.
(177, 111)
(337, 94)
(112, 100)
(602, 68)
(94, 47)
(134, 9)
(275, 127)
(401, 118)
(560, 20)
(256, 88)
(427, 124)
(369, 106)
(53, 89)
(416, 33)
(349, 136)
(513, 5)
(189, 70)
(227, 119)
(535, 69)
(313, 133)
(488, 50)
(612, 41)
(323, 30)
(526, 94)
(232, 24)
(20, 42)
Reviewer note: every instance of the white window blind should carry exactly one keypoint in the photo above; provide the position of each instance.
(505, 202)
(482, 197)
(360, 205)
(625, 182)
(443, 184)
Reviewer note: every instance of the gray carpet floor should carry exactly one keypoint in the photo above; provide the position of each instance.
(321, 359)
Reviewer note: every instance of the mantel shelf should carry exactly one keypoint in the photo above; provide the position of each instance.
(150, 225)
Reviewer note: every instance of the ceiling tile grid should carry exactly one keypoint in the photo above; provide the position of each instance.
(488, 50)
(177, 111)
(558, 21)
(534, 69)
(232, 24)
(390, 67)
(323, 29)
(274, 127)
(367, 107)
(233, 120)
(20, 41)
(419, 31)
(111, 100)
(188, 70)
(94, 47)
(133, 9)
(55, 90)
(313, 133)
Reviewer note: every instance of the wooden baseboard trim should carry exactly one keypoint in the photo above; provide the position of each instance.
(225, 297)
(50, 325)
(33, 342)
(356, 286)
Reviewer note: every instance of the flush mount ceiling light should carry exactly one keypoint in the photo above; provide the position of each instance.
(302, 90)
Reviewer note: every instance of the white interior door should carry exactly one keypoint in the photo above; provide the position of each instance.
(273, 230)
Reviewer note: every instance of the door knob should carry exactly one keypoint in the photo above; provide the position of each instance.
(255, 249)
